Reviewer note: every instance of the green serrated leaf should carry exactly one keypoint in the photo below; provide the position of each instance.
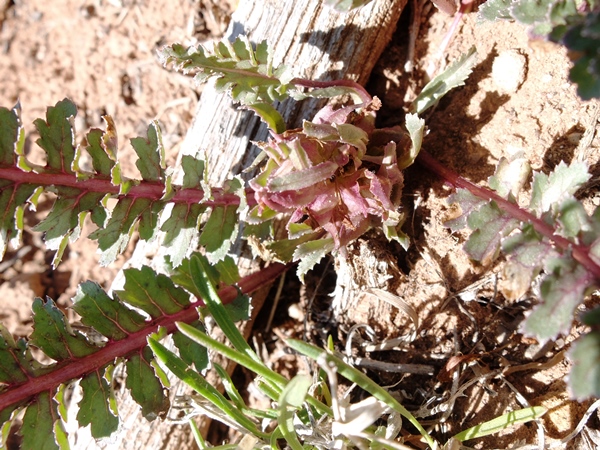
(65, 217)
(102, 147)
(240, 308)
(532, 12)
(490, 225)
(573, 219)
(57, 136)
(220, 231)
(228, 271)
(153, 293)
(454, 76)
(15, 364)
(494, 10)
(95, 407)
(190, 351)
(151, 154)
(467, 203)
(181, 230)
(53, 335)
(310, 253)
(146, 389)
(247, 74)
(193, 171)
(38, 429)
(109, 317)
(11, 135)
(12, 197)
(549, 191)
(527, 254)
(562, 291)
(584, 379)
(114, 237)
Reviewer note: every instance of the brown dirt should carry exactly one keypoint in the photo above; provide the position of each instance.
(101, 54)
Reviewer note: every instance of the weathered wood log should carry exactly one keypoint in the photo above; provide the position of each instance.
(317, 43)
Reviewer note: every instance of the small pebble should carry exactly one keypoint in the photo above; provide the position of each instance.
(508, 71)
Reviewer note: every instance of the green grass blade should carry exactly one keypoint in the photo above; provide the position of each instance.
(200, 270)
(200, 385)
(361, 380)
(290, 400)
(502, 422)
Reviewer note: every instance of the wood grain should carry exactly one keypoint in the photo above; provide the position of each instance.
(316, 43)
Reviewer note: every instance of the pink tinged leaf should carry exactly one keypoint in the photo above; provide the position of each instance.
(303, 178)
(322, 131)
(330, 115)
(353, 200)
(380, 189)
(490, 225)
(299, 157)
(584, 379)
(528, 253)
(467, 203)
(562, 290)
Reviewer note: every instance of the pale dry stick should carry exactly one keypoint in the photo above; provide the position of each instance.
(593, 407)
(536, 365)
(350, 337)
(443, 407)
(367, 363)
(415, 26)
(399, 303)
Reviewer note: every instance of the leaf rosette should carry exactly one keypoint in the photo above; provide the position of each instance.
(334, 178)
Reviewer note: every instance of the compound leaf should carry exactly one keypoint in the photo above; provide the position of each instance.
(246, 73)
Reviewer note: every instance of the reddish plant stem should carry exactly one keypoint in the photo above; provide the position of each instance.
(145, 189)
(580, 253)
(360, 91)
(77, 368)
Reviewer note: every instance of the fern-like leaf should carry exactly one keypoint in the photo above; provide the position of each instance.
(80, 193)
(554, 237)
(247, 73)
(27, 384)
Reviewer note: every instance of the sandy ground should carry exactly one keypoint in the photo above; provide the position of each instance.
(102, 55)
